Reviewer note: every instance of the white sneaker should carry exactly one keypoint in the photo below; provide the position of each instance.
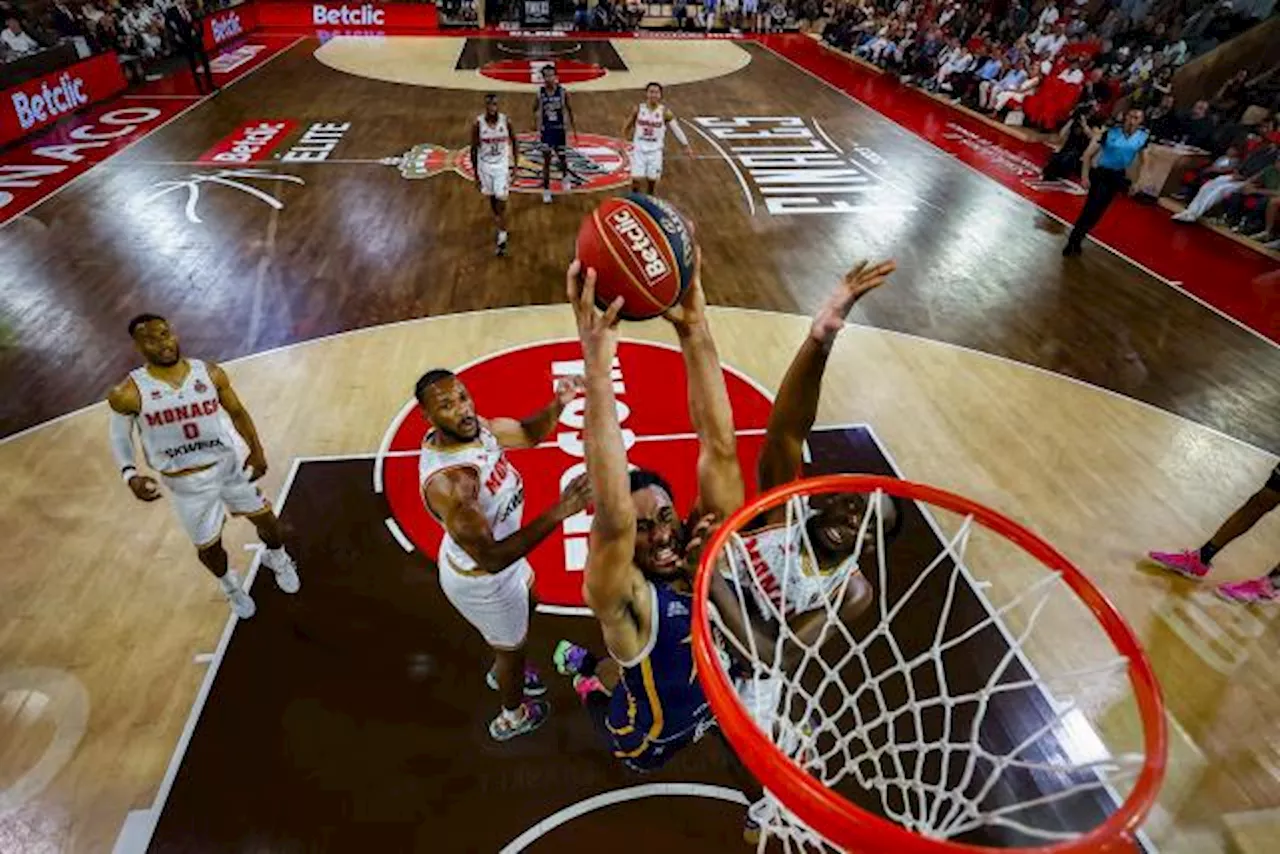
(546, 197)
(1184, 216)
(241, 603)
(286, 571)
(533, 714)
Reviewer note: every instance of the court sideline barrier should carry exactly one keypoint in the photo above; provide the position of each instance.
(35, 104)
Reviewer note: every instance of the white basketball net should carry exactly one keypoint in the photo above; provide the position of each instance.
(830, 714)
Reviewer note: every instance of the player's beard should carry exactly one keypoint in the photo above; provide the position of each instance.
(168, 361)
(458, 437)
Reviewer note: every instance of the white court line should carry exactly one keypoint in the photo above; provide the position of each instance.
(394, 528)
(203, 658)
(618, 796)
(1177, 286)
(136, 836)
(154, 130)
(564, 610)
(742, 182)
(1082, 724)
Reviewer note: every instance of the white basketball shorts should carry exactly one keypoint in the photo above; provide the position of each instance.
(202, 499)
(496, 604)
(495, 181)
(646, 163)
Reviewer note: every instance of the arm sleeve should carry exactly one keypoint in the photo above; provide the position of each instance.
(122, 440)
(677, 131)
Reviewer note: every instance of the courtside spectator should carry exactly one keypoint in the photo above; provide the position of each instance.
(15, 39)
(1217, 190)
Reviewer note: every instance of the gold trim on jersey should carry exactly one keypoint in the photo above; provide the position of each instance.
(469, 573)
(655, 707)
(190, 471)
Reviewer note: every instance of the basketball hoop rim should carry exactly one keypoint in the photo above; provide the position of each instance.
(834, 817)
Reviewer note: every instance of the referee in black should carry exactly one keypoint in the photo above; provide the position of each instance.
(188, 36)
(1106, 162)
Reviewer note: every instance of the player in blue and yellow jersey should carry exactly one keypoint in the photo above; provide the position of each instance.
(551, 109)
(647, 700)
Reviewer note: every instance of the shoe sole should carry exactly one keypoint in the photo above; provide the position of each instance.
(1191, 576)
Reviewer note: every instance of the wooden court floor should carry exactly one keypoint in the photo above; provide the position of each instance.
(967, 368)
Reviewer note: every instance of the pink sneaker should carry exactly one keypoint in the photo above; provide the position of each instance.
(588, 685)
(1249, 592)
(1186, 563)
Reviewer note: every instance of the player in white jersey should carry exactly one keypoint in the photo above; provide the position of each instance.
(647, 128)
(493, 160)
(470, 486)
(815, 574)
(832, 520)
(184, 411)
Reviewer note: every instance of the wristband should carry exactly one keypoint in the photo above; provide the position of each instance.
(128, 473)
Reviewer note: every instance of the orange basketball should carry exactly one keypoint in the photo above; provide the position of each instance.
(642, 250)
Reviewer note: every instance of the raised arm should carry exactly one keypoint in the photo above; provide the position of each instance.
(611, 573)
(454, 495)
(796, 406)
(530, 431)
(256, 462)
(720, 485)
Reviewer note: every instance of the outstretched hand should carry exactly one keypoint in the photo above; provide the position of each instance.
(692, 308)
(597, 330)
(858, 282)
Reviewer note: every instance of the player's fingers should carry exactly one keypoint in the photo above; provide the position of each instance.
(588, 297)
(611, 315)
(571, 280)
(856, 273)
(884, 268)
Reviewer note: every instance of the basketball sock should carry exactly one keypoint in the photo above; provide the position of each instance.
(228, 583)
(1207, 551)
(502, 236)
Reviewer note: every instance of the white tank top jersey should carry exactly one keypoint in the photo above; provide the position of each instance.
(495, 142)
(501, 488)
(651, 127)
(183, 427)
(767, 552)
